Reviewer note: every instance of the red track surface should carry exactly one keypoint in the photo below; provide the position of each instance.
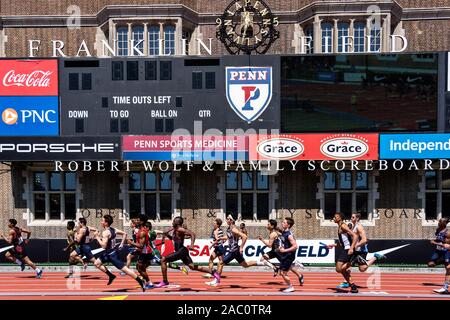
(236, 285)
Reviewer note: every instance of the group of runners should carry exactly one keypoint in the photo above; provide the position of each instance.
(227, 246)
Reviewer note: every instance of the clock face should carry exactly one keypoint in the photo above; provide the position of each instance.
(247, 26)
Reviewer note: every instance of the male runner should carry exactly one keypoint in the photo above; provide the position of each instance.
(218, 239)
(442, 252)
(361, 250)
(132, 251)
(348, 240)
(144, 250)
(18, 254)
(177, 234)
(287, 252)
(107, 241)
(71, 246)
(273, 243)
(235, 251)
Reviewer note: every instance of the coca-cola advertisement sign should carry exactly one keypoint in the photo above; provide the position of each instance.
(28, 77)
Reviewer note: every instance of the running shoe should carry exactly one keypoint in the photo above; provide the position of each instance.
(39, 274)
(289, 289)
(354, 289)
(141, 283)
(216, 276)
(85, 265)
(161, 284)
(301, 279)
(379, 256)
(343, 285)
(441, 291)
(299, 264)
(184, 270)
(22, 266)
(149, 286)
(361, 260)
(213, 283)
(122, 273)
(111, 279)
(207, 275)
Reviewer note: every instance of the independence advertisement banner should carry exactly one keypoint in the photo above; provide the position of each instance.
(414, 146)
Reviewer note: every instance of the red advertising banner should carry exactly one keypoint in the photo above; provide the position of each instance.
(334, 146)
(28, 77)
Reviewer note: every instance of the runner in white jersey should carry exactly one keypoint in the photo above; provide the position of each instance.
(347, 240)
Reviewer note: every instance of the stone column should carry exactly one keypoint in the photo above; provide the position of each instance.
(145, 39)
(351, 33)
(386, 34)
(178, 36)
(161, 39)
(113, 35)
(130, 37)
(317, 35)
(335, 36)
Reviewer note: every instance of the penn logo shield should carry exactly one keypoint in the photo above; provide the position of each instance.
(249, 90)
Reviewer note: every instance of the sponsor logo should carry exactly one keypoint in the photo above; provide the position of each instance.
(280, 148)
(344, 148)
(10, 116)
(37, 78)
(249, 90)
(58, 147)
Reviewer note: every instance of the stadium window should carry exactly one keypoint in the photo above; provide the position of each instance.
(437, 195)
(210, 80)
(74, 81)
(327, 37)
(343, 32)
(150, 193)
(122, 41)
(165, 68)
(153, 40)
(86, 81)
(346, 192)
(197, 80)
(117, 70)
(138, 40)
(169, 40)
(159, 125)
(150, 70)
(79, 125)
(114, 125)
(375, 38)
(132, 70)
(359, 35)
(247, 195)
(53, 196)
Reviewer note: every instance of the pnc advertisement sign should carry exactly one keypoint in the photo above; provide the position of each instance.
(29, 77)
(314, 147)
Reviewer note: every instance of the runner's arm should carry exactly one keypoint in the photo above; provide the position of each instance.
(190, 234)
(103, 241)
(353, 235)
(293, 247)
(28, 232)
(124, 237)
(243, 236)
(362, 234)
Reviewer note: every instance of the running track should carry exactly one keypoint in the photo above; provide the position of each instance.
(243, 285)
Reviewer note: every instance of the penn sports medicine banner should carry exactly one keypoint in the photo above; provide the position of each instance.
(309, 251)
(314, 147)
(185, 148)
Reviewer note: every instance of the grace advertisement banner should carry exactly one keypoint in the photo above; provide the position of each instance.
(309, 251)
(332, 146)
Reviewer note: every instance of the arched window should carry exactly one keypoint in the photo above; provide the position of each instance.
(359, 35)
(122, 41)
(153, 40)
(327, 37)
(309, 32)
(169, 40)
(138, 40)
(343, 30)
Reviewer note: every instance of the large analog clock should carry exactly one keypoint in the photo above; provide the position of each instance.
(247, 26)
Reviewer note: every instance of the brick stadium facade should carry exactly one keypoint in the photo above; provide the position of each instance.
(397, 197)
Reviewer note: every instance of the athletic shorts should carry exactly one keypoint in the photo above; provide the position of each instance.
(18, 252)
(145, 258)
(274, 255)
(133, 251)
(182, 254)
(219, 250)
(286, 261)
(113, 257)
(344, 256)
(440, 256)
(233, 255)
(85, 250)
(359, 261)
